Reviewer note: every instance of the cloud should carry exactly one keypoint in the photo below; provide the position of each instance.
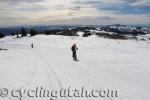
(20, 1)
(107, 18)
(12, 18)
(74, 11)
(98, 1)
(32, 8)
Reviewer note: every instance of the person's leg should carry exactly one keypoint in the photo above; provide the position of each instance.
(75, 56)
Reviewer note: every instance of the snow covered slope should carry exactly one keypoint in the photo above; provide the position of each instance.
(121, 65)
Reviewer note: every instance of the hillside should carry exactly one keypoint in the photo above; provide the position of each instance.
(120, 65)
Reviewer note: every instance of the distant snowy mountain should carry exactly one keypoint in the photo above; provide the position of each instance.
(125, 28)
(115, 27)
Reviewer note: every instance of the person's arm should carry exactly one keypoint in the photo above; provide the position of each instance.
(76, 48)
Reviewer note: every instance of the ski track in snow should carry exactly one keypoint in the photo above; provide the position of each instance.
(50, 70)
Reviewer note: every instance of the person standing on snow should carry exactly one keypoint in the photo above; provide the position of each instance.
(74, 55)
(32, 45)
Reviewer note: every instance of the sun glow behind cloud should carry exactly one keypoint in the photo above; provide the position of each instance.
(14, 12)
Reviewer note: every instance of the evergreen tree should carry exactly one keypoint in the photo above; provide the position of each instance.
(33, 32)
(17, 34)
(12, 33)
(23, 32)
(2, 35)
(46, 32)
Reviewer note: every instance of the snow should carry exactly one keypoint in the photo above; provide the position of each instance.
(121, 65)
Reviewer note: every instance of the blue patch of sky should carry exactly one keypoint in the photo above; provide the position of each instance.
(122, 8)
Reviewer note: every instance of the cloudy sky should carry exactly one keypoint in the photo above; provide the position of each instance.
(31, 12)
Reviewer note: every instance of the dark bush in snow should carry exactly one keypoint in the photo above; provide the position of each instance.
(2, 35)
(51, 32)
(111, 36)
(68, 33)
(87, 34)
(33, 32)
